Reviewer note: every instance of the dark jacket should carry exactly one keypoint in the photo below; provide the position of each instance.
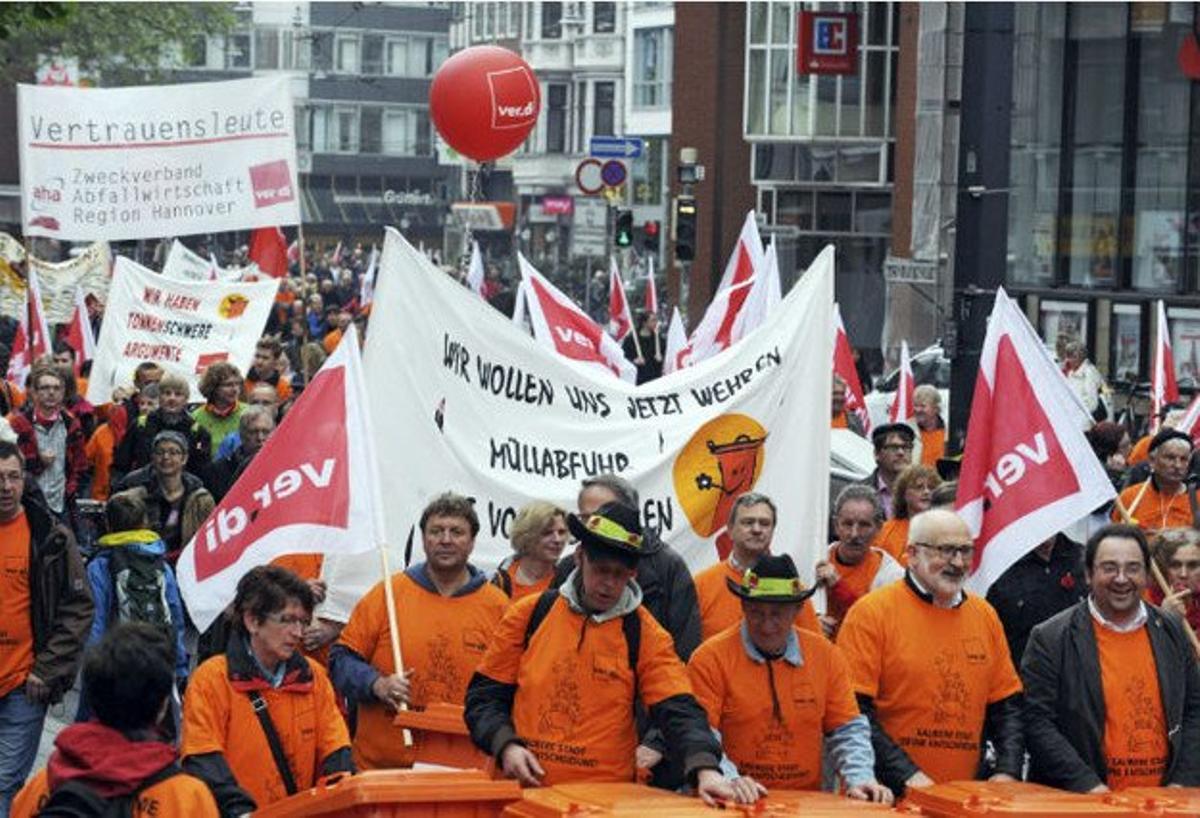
(197, 503)
(223, 473)
(668, 592)
(1064, 700)
(136, 447)
(59, 598)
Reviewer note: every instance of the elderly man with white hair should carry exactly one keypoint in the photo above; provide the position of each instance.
(931, 669)
(927, 408)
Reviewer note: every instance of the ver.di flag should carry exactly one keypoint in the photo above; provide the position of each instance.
(620, 319)
(901, 410)
(676, 355)
(311, 489)
(477, 407)
(1027, 470)
(843, 366)
(1164, 391)
(79, 332)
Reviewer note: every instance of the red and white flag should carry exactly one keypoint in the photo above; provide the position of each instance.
(747, 257)
(1163, 389)
(651, 293)
(765, 295)
(312, 488)
(902, 403)
(79, 332)
(366, 288)
(269, 250)
(843, 365)
(32, 338)
(1189, 424)
(714, 333)
(677, 352)
(293, 252)
(1027, 470)
(475, 274)
(620, 319)
(562, 326)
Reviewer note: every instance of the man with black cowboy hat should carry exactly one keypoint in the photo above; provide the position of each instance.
(893, 454)
(1164, 500)
(776, 692)
(553, 698)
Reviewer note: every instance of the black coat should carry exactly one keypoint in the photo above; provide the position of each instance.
(1064, 700)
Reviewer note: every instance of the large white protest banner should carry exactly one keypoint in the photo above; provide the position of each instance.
(89, 271)
(464, 401)
(184, 265)
(130, 163)
(184, 326)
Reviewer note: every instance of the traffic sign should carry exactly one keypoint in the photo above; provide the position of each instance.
(589, 177)
(626, 147)
(613, 173)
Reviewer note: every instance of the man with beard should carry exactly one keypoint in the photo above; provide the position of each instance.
(931, 668)
(854, 567)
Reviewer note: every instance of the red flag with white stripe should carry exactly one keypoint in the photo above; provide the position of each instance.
(1163, 389)
(902, 403)
(651, 294)
(677, 352)
(747, 257)
(843, 365)
(1027, 469)
(562, 326)
(79, 332)
(1189, 424)
(620, 320)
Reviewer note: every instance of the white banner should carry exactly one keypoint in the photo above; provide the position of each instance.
(184, 265)
(131, 163)
(182, 325)
(464, 401)
(88, 271)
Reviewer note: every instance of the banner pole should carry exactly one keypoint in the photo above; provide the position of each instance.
(300, 240)
(393, 627)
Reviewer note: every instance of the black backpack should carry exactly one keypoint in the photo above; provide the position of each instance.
(139, 587)
(75, 799)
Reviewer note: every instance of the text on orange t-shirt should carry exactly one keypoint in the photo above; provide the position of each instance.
(1135, 733)
(16, 627)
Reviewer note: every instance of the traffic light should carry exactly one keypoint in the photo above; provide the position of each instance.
(650, 232)
(685, 228)
(623, 235)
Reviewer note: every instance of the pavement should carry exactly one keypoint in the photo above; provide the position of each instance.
(58, 716)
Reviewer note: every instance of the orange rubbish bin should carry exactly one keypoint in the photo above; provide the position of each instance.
(400, 794)
(440, 736)
(1012, 799)
(1167, 801)
(630, 800)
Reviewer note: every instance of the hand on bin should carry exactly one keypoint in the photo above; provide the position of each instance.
(519, 763)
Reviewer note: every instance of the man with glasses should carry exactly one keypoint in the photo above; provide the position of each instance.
(893, 454)
(931, 668)
(1112, 685)
(51, 440)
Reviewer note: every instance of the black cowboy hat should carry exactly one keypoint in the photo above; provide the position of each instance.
(772, 579)
(612, 527)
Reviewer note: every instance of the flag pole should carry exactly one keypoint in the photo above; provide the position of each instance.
(1158, 574)
(377, 519)
(300, 247)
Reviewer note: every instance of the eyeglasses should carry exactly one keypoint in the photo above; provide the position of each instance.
(289, 620)
(173, 453)
(898, 447)
(949, 552)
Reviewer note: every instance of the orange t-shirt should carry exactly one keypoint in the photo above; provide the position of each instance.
(575, 689)
(283, 387)
(893, 538)
(1154, 512)
(839, 421)
(933, 445)
(1140, 451)
(219, 719)
(16, 627)
(856, 581)
(814, 697)
(442, 639)
(99, 451)
(720, 608)
(180, 795)
(932, 673)
(1135, 732)
(331, 340)
(519, 590)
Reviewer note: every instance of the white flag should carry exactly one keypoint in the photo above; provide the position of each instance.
(475, 274)
(676, 354)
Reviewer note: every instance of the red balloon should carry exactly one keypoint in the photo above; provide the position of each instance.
(484, 101)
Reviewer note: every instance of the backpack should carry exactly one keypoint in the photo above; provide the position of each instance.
(139, 587)
(631, 626)
(75, 799)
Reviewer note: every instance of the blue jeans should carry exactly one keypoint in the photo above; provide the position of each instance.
(20, 733)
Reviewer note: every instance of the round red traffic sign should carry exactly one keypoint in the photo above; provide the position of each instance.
(613, 173)
(589, 176)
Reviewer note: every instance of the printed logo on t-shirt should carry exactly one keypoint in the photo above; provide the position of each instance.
(804, 695)
(560, 712)
(474, 640)
(974, 651)
(605, 668)
(950, 707)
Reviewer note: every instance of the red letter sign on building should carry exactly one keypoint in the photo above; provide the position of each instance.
(827, 43)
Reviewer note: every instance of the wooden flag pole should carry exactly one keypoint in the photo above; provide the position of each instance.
(389, 596)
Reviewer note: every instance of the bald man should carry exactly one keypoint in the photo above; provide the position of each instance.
(931, 668)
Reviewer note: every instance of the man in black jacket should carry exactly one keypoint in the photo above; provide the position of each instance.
(1112, 689)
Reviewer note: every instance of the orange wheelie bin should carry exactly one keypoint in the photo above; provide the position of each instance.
(630, 800)
(1167, 801)
(1015, 799)
(400, 794)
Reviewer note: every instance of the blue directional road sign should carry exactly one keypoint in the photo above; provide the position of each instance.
(620, 147)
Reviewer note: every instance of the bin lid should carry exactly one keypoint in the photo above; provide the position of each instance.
(382, 787)
(438, 717)
(1009, 798)
(1160, 800)
(621, 800)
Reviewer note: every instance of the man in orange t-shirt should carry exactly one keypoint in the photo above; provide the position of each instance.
(927, 409)
(779, 695)
(553, 699)
(854, 567)
(1112, 686)
(1164, 500)
(447, 612)
(751, 527)
(931, 667)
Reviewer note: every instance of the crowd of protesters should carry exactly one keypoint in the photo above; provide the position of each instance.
(592, 654)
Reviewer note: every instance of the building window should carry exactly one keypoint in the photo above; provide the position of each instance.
(237, 51)
(372, 54)
(322, 50)
(322, 129)
(652, 67)
(347, 55)
(370, 138)
(397, 57)
(604, 18)
(552, 21)
(581, 137)
(398, 133)
(195, 52)
(603, 123)
(477, 11)
(347, 130)
(556, 118)
(266, 47)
